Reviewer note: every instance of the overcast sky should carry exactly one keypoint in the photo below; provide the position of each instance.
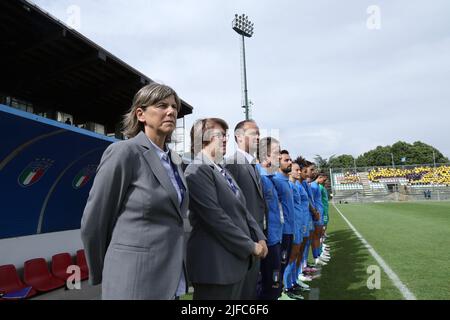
(331, 77)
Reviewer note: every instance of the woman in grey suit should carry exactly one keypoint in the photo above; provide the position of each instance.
(224, 235)
(132, 225)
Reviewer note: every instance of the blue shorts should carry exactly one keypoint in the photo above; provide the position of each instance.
(298, 236)
(305, 230)
(305, 226)
(310, 223)
(319, 223)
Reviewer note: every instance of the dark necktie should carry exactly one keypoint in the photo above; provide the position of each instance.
(258, 176)
(230, 181)
(179, 181)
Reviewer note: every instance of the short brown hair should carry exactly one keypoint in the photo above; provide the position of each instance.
(146, 96)
(198, 131)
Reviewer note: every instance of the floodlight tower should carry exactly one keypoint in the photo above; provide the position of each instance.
(243, 26)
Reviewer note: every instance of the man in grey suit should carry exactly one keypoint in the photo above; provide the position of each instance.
(224, 234)
(132, 225)
(242, 166)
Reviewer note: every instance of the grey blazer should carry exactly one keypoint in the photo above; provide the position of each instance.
(132, 225)
(244, 174)
(219, 249)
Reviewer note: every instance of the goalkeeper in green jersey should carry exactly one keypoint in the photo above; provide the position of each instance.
(326, 219)
(324, 193)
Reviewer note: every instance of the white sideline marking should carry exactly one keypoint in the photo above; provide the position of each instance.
(408, 295)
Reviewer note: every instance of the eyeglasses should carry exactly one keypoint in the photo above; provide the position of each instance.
(221, 135)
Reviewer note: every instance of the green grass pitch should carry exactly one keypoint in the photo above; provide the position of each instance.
(412, 238)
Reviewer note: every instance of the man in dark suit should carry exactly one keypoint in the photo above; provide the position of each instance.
(242, 166)
(224, 234)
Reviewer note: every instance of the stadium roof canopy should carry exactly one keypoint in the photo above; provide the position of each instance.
(54, 67)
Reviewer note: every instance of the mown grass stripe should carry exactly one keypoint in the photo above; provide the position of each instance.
(407, 294)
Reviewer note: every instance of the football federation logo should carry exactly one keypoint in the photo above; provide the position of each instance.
(34, 172)
(84, 176)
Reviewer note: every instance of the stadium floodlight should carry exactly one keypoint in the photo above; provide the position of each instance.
(244, 27)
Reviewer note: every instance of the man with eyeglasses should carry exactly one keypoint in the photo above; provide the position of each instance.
(242, 165)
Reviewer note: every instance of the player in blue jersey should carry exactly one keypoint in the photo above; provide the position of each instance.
(269, 156)
(301, 235)
(304, 273)
(308, 170)
(300, 165)
(318, 224)
(289, 280)
(286, 198)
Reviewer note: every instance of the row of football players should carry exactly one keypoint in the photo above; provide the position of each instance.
(297, 217)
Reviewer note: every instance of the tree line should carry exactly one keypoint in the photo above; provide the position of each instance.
(402, 153)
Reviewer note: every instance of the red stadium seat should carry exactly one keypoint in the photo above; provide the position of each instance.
(36, 274)
(60, 263)
(81, 262)
(10, 281)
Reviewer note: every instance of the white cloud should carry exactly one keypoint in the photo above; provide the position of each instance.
(315, 71)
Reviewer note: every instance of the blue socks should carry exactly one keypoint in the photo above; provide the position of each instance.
(316, 253)
(306, 253)
(291, 275)
(298, 272)
(288, 273)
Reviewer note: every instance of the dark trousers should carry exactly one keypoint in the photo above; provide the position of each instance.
(271, 279)
(250, 280)
(286, 248)
(217, 291)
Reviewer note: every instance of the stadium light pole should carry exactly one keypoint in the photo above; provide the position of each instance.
(332, 183)
(435, 176)
(393, 164)
(356, 173)
(244, 27)
(434, 160)
(434, 167)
